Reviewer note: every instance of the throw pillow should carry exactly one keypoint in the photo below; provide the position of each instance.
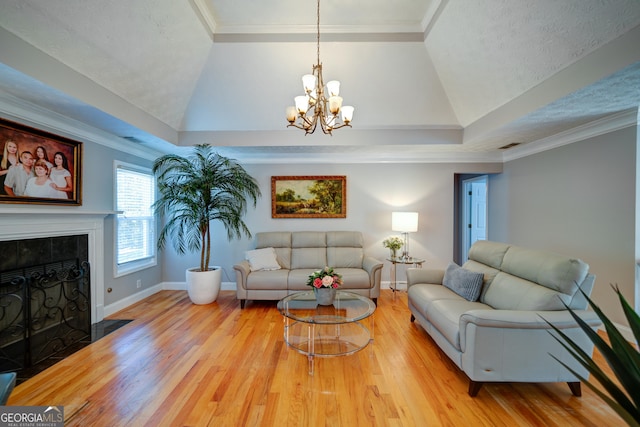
(262, 259)
(463, 282)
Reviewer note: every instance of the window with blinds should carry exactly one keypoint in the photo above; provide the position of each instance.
(135, 228)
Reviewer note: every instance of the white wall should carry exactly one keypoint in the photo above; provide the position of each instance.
(578, 200)
(373, 192)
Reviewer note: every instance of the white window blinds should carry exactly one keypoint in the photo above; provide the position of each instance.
(135, 223)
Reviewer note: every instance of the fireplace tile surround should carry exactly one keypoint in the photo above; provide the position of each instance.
(17, 254)
(33, 224)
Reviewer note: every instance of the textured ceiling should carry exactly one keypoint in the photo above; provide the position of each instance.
(430, 80)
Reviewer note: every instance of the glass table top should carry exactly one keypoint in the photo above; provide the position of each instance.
(347, 307)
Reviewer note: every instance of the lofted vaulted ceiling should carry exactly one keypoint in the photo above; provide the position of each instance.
(430, 79)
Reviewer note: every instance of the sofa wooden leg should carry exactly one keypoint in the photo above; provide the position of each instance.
(474, 388)
(413, 318)
(375, 301)
(242, 301)
(575, 388)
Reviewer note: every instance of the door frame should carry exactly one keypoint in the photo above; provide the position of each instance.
(459, 225)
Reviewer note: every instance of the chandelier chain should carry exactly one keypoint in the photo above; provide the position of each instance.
(318, 33)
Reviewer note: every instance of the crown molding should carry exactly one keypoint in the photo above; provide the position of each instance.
(621, 120)
(17, 110)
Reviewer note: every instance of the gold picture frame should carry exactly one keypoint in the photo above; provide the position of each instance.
(57, 159)
(309, 196)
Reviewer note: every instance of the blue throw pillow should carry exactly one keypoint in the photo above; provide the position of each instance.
(463, 282)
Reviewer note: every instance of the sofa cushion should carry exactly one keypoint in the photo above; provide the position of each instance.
(549, 269)
(354, 278)
(268, 280)
(262, 259)
(280, 241)
(423, 295)
(350, 239)
(344, 257)
(463, 282)
(315, 258)
(308, 239)
(297, 279)
(488, 253)
(508, 292)
(275, 239)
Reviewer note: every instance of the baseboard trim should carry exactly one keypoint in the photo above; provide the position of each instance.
(163, 286)
(130, 300)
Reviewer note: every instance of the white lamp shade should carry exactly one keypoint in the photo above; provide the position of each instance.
(347, 113)
(333, 87)
(302, 103)
(291, 114)
(405, 222)
(308, 82)
(335, 102)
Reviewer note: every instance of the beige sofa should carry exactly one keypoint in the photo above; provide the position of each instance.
(298, 255)
(503, 337)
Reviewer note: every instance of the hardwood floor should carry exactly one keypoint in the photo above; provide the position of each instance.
(179, 364)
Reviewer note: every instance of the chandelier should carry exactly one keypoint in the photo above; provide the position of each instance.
(316, 105)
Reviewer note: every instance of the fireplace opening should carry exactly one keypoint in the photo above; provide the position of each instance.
(45, 301)
(43, 310)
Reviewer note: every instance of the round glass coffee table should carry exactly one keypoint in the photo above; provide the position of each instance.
(326, 331)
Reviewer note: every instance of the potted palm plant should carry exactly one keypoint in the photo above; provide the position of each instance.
(193, 191)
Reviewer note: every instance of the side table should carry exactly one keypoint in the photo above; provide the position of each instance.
(415, 262)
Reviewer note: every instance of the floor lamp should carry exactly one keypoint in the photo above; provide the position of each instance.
(405, 222)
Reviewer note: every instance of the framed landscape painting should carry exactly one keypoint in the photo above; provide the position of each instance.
(309, 196)
(38, 167)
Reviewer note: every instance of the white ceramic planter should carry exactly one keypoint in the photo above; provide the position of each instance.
(203, 286)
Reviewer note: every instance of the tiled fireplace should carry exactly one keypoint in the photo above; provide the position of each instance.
(45, 301)
(37, 225)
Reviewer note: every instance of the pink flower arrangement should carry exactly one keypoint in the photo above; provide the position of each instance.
(325, 278)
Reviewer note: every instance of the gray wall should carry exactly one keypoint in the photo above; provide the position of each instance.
(98, 194)
(578, 200)
(373, 192)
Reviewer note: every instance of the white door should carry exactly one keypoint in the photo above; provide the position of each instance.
(474, 208)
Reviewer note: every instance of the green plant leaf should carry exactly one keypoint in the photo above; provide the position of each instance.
(622, 357)
(625, 415)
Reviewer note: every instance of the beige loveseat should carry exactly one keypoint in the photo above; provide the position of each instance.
(498, 333)
(299, 254)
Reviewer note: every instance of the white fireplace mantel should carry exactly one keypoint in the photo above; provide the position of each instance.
(36, 223)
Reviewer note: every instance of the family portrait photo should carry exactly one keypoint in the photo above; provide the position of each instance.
(38, 167)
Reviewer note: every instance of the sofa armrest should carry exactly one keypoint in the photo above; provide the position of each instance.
(370, 265)
(242, 269)
(517, 346)
(521, 319)
(424, 275)
(374, 268)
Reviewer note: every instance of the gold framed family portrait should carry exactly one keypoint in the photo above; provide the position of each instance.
(39, 167)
